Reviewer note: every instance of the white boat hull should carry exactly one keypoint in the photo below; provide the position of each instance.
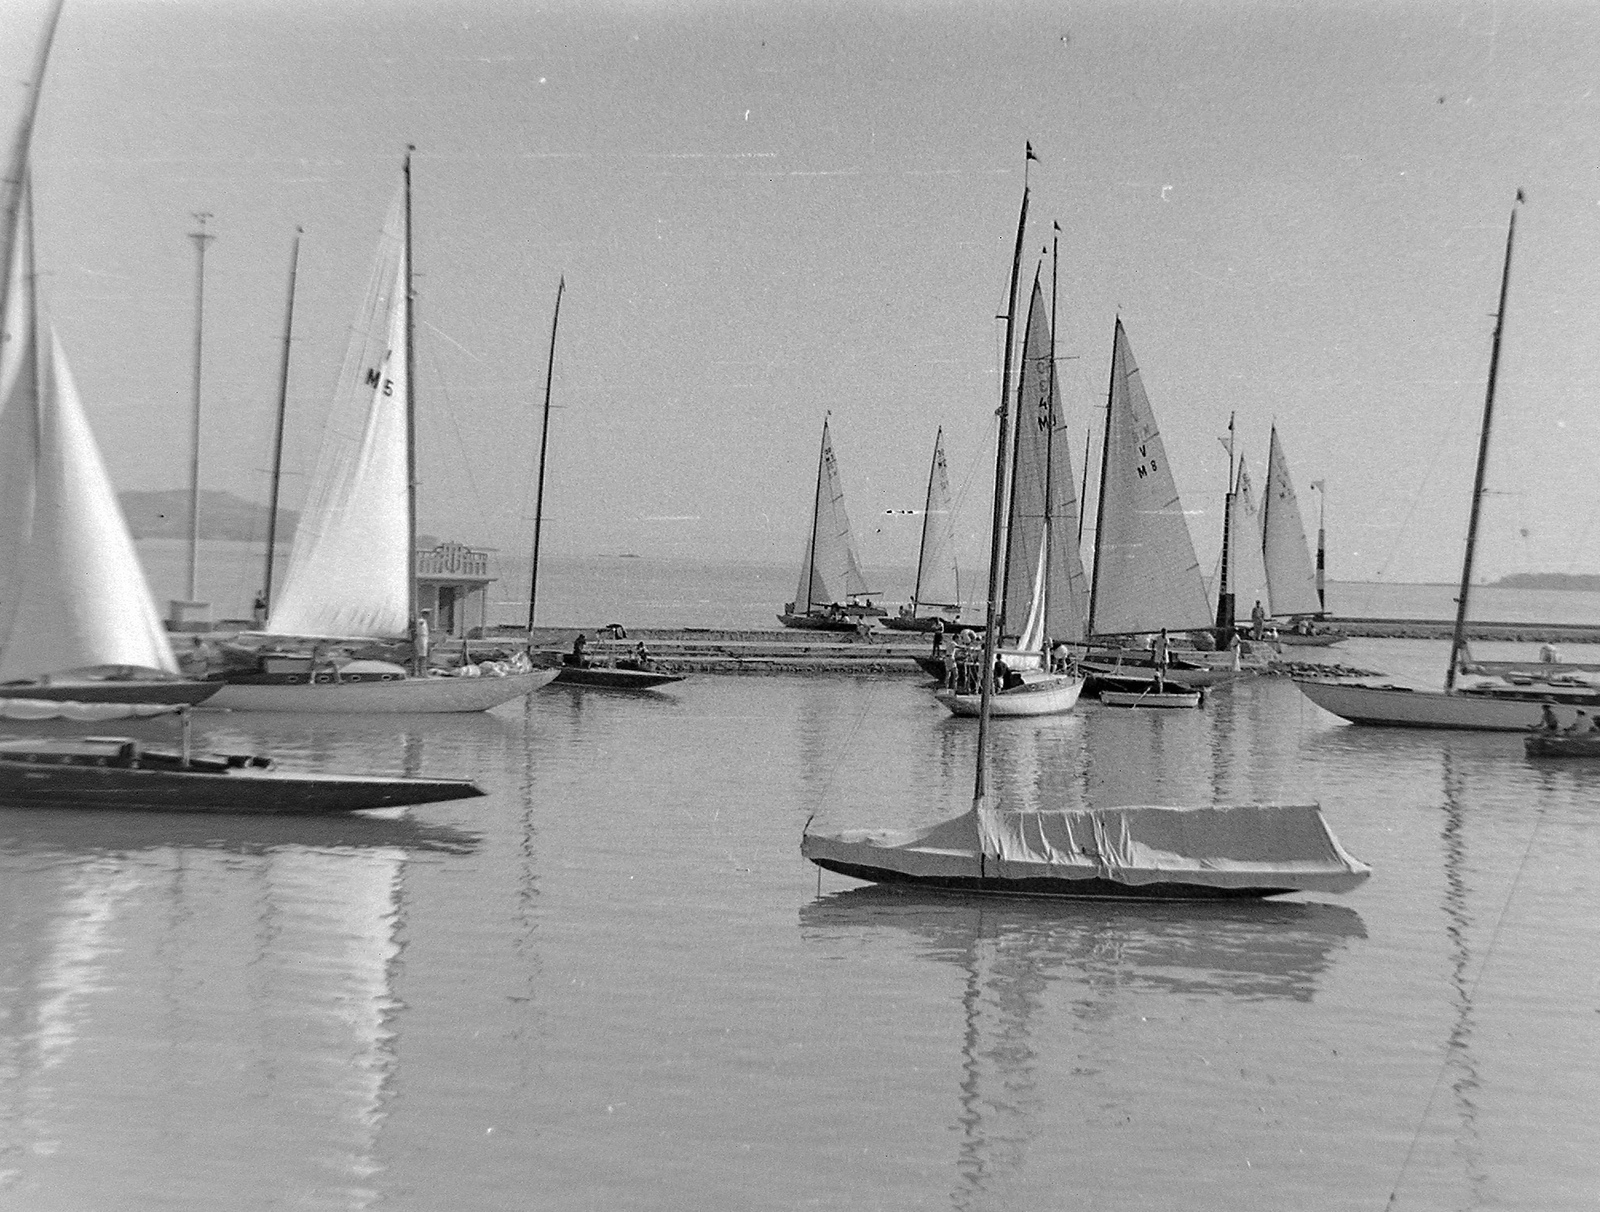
(400, 696)
(1403, 707)
(1151, 698)
(1039, 694)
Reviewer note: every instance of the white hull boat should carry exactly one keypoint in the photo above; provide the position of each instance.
(1470, 709)
(1151, 698)
(1039, 694)
(397, 696)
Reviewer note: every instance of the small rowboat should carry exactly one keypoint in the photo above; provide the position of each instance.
(1563, 744)
(1151, 698)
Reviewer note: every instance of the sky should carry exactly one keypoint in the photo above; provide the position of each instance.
(769, 213)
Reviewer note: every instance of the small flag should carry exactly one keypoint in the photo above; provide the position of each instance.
(1031, 156)
(1057, 226)
(1320, 485)
(1521, 197)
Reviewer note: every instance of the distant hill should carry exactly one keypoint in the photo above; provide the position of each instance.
(165, 515)
(1587, 581)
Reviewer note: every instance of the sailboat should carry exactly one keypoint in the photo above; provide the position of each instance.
(830, 569)
(936, 602)
(1292, 582)
(78, 626)
(352, 568)
(616, 676)
(1146, 577)
(1138, 853)
(1036, 580)
(1489, 705)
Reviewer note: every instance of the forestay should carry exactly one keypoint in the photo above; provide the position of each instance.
(349, 570)
(1146, 574)
(1291, 576)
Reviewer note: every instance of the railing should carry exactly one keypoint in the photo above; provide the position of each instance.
(453, 560)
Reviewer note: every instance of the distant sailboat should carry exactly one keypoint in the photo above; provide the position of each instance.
(936, 601)
(1032, 548)
(1490, 705)
(77, 621)
(831, 583)
(352, 569)
(1292, 580)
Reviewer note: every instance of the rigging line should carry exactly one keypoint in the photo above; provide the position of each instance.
(1472, 991)
(455, 426)
(849, 740)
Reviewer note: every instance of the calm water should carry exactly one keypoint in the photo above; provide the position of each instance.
(612, 984)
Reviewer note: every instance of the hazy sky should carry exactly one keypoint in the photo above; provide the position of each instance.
(766, 211)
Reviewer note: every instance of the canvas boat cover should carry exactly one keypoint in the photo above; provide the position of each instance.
(1287, 847)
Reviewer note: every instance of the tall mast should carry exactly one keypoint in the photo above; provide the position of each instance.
(927, 510)
(200, 238)
(544, 444)
(811, 549)
(418, 657)
(998, 519)
(1458, 638)
(1225, 611)
(1105, 463)
(1083, 492)
(1322, 546)
(277, 437)
(1050, 444)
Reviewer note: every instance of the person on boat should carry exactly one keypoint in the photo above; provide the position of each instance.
(1582, 722)
(938, 638)
(1549, 654)
(641, 655)
(258, 609)
(1061, 658)
(1302, 626)
(576, 657)
(1547, 718)
(1158, 650)
(1258, 621)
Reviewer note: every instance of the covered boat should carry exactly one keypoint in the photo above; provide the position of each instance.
(1139, 852)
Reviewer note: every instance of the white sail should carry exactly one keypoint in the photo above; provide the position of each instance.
(84, 601)
(830, 571)
(1291, 577)
(1146, 574)
(1042, 483)
(350, 567)
(19, 409)
(1247, 574)
(938, 581)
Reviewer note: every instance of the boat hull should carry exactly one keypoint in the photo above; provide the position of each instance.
(1563, 745)
(273, 792)
(399, 696)
(164, 691)
(924, 622)
(818, 622)
(1139, 698)
(1404, 707)
(1047, 694)
(1089, 888)
(611, 678)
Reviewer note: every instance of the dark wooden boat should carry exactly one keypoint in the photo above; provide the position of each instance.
(1563, 744)
(121, 774)
(112, 686)
(613, 677)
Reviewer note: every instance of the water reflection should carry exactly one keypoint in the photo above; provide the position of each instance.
(1011, 953)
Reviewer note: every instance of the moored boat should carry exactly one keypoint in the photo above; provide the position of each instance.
(122, 774)
(1152, 697)
(1563, 744)
(832, 595)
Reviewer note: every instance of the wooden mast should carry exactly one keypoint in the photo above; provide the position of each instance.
(998, 519)
(418, 656)
(811, 551)
(927, 510)
(544, 444)
(277, 436)
(1105, 463)
(1458, 637)
(1225, 604)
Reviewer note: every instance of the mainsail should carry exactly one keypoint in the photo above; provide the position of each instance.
(938, 582)
(1291, 579)
(830, 571)
(1042, 486)
(350, 568)
(1146, 575)
(1247, 575)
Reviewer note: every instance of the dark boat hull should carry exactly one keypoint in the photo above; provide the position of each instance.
(1092, 888)
(1563, 745)
(229, 790)
(174, 691)
(612, 678)
(817, 622)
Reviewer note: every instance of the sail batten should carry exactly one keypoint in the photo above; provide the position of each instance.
(349, 570)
